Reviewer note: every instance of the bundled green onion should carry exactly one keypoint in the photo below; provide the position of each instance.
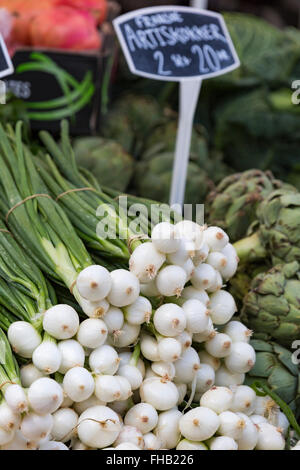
(37, 220)
(85, 204)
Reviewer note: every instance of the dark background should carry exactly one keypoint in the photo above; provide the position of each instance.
(277, 12)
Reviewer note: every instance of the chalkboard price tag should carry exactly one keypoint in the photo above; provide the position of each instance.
(6, 66)
(176, 43)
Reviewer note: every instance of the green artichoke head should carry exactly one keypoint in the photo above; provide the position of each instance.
(153, 180)
(274, 367)
(272, 306)
(234, 203)
(279, 225)
(109, 164)
(131, 120)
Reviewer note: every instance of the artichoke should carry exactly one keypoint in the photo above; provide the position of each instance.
(131, 120)
(163, 140)
(233, 204)
(274, 368)
(272, 306)
(106, 160)
(278, 234)
(240, 284)
(153, 179)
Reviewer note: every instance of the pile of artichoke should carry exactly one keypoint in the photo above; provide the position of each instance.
(262, 215)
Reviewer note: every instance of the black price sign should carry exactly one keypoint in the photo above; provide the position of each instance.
(6, 66)
(176, 43)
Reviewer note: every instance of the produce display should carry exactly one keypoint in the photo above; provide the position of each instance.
(125, 324)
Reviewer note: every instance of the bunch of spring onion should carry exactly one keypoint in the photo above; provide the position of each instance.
(87, 208)
(140, 397)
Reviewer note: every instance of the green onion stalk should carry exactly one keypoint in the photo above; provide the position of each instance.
(86, 205)
(12, 393)
(35, 218)
(25, 295)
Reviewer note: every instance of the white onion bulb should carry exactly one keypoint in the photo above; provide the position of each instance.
(243, 399)
(47, 357)
(104, 360)
(149, 348)
(197, 316)
(53, 445)
(29, 374)
(36, 427)
(185, 251)
(142, 416)
(190, 231)
(248, 439)
(132, 374)
(132, 435)
(237, 332)
(241, 358)
(223, 443)
(98, 427)
(114, 320)
(94, 283)
(219, 346)
(217, 260)
(145, 262)
(9, 420)
(164, 238)
(216, 238)
(167, 429)
(169, 320)
(24, 338)
(160, 393)
(226, 378)
(205, 378)
(199, 294)
(204, 276)
(61, 322)
(170, 281)
(92, 333)
(72, 354)
(16, 398)
(125, 288)
(187, 366)
(78, 384)
(231, 425)
(45, 395)
(64, 424)
(152, 442)
(185, 444)
(94, 309)
(269, 438)
(212, 361)
(218, 399)
(199, 424)
(139, 312)
(169, 349)
(222, 307)
(164, 369)
(127, 336)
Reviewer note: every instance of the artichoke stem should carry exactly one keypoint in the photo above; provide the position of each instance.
(250, 248)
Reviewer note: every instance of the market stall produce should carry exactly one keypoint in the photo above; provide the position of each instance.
(159, 339)
(125, 324)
